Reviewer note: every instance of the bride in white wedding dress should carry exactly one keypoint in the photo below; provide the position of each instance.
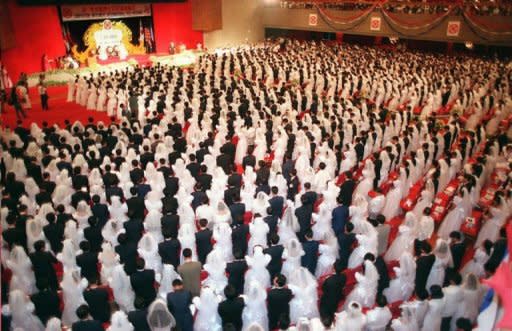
(366, 288)
(401, 288)
(304, 303)
(255, 310)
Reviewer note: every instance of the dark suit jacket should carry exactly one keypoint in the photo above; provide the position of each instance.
(304, 214)
(171, 223)
(236, 271)
(205, 180)
(34, 171)
(230, 149)
(48, 186)
(169, 250)
(458, 250)
(12, 237)
(16, 189)
(194, 168)
(79, 181)
(230, 193)
(204, 244)
(200, 153)
(180, 145)
(272, 224)
(172, 184)
(346, 191)
(345, 242)
(276, 263)
(293, 188)
(178, 303)
(423, 267)
(143, 284)
(43, 197)
(248, 160)
(142, 190)
(277, 203)
(88, 263)
(134, 228)
(197, 198)
(224, 161)
(359, 149)
(55, 235)
(87, 325)
(110, 179)
(382, 269)
(169, 205)
(61, 165)
(230, 311)
(127, 255)
(310, 257)
(80, 196)
(114, 190)
(235, 179)
(136, 205)
(332, 289)
(339, 218)
(100, 211)
(239, 237)
(237, 210)
(138, 318)
(42, 264)
(136, 175)
(310, 197)
(97, 299)
(46, 304)
(262, 175)
(278, 303)
(145, 158)
(94, 237)
(498, 253)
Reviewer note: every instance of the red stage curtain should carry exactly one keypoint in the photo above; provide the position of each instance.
(36, 31)
(6, 27)
(173, 22)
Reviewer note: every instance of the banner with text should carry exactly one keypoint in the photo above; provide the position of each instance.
(96, 12)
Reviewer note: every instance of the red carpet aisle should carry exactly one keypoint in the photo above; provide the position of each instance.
(60, 110)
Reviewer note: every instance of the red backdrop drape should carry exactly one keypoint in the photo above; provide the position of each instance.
(37, 31)
(173, 22)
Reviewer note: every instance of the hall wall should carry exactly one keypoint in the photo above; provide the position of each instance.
(298, 19)
(242, 22)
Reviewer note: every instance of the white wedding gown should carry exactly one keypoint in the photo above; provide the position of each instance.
(401, 288)
(304, 303)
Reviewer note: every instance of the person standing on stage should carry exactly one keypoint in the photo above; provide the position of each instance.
(22, 92)
(3, 99)
(43, 93)
(17, 99)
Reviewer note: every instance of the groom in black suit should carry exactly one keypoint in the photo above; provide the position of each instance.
(332, 291)
(178, 303)
(143, 281)
(279, 298)
(424, 264)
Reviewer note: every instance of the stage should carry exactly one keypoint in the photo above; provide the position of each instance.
(184, 59)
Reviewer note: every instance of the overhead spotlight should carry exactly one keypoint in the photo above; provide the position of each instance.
(469, 45)
(393, 40)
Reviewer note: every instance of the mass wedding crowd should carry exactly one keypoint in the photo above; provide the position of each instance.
(261, 190)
